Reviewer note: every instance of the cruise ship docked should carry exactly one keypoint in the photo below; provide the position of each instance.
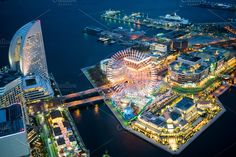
(174, 18)
(111, 13)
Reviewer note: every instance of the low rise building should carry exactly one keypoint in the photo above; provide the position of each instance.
(57, 132)
(188, 69)
(103, 65)
(213, 57)
(36, 88)
(61, 143)
(158, 47)
(194, 67)
(13, 133)
(186, 108)
(10, 88)
(180, 44)
(63, 135)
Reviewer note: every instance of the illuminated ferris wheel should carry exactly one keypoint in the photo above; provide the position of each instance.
(132, 71)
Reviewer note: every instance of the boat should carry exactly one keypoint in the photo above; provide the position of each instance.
(112, 42)
(174, 18)
(92, 30)
(104, 39)
(111, 13)
(136, 15)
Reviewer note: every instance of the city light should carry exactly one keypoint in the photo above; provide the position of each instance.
(160, 75)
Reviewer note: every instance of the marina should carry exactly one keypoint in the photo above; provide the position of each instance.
(168, 22)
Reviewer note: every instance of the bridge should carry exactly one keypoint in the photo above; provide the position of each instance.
(82, 93)
(86, 92)
(54, 103)
(230, 29)
(88, 100)
(84, 101)
(219, 42)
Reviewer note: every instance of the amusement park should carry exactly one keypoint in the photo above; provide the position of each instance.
(167, 102)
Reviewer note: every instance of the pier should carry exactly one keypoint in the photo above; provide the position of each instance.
(168, 22)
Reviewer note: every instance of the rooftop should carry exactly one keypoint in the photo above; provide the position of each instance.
(55, 114)
(61, 141)
(11, 120)
(66, 124)
(30, 82)
(159, 121)
(57, 131)
(189, 57)
(211, 54)
(185, 104)
(186, 68)
(215, 52)
(7, 77)
(72, 138)
(174, 115)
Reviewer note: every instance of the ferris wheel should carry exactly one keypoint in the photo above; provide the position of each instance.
(131, 71)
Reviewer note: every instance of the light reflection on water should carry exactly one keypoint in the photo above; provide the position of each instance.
(77, 113)
(96, 109)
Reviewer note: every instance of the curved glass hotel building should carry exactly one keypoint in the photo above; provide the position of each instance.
(27, 55)
(26, 52)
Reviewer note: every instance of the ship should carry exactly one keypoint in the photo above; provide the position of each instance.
(111, 13)
(92, 30)
(174, 18)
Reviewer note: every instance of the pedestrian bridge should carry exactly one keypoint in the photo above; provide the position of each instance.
(85, 92)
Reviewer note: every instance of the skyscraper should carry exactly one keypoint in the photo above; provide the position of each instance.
(26, 52)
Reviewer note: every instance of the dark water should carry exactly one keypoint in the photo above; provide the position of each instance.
(68, 50)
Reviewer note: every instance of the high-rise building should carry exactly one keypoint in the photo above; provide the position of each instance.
(26, 52)
(13, 134)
